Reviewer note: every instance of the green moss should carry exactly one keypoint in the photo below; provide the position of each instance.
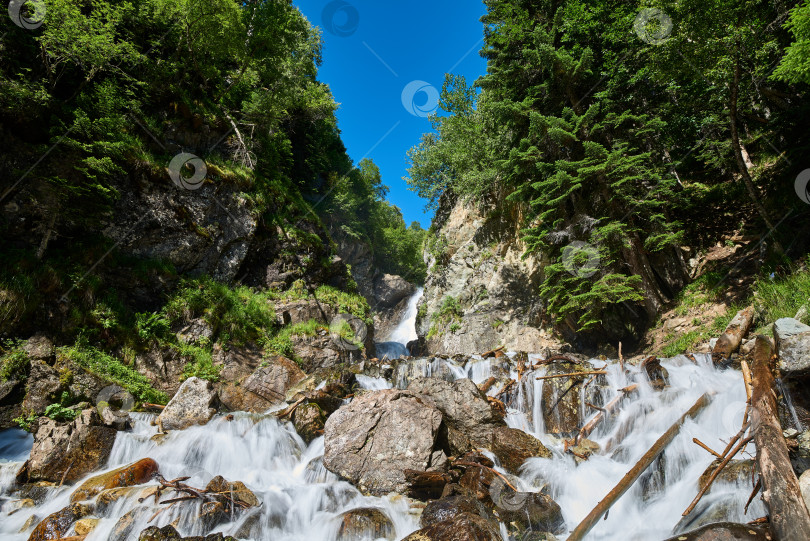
(14, 362)
(281, 342)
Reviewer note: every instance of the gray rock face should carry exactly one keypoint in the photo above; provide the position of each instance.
(39, 348)
(81, 446)
(163, 367)
(804, 484)
(390, 289)
(43, 384)
(379, 434)
(793, 344)
(468, 416)
(273, 378)
(251, 383)
(480, 264)
(190, 406)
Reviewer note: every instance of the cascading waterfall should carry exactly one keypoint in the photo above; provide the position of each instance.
(301, 500)
(405, 331)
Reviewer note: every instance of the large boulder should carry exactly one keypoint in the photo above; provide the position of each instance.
(378, 435)
(390, 289)
(804, 485)
(249, 382)
(39, 348)
(793, 344)
(468, 416)
(513, 447)
(725, 531)
(126, 476)
(191, 405)
(70, 450)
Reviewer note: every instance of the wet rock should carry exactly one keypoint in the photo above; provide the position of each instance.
(561, 398)
(705, 513)
(378, 435)
(462, 527)
(56, 525)
(37, 492)
(71, 449)
(365, 524)
(85, 526)
(236, 490)
(110, 496)
(656, 374)
(450, 508)
(114, 418)
(736, 471)
(527, 511)
(191, 405)
(309, 421)
(15, 505)
(468, 415)
(793, 344)
(513, 447)
(32, 521)
(153, 533)
(124, 529)
(136, 473)
(725, 531)
(43, 386)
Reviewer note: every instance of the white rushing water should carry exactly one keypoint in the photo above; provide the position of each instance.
(406, 330)
(301, 501)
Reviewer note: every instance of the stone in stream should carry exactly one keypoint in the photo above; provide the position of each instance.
(513, 447)
(57, 524)
(168, 533)
(190, 406)
(371, 440)
(793, 344)
(136, 473)
(736, 471)
(469, 418)
(68, 450)
(450, 507)
(725, 531)
(365, 523)
(461, 527)
(309, 421)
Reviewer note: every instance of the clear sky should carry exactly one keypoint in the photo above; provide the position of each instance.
(376, 50)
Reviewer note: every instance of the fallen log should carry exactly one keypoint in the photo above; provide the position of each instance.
(731, 339)
(492, 352)
(574, 374)
(487, 385)
(609, 408)
(630, 477)
(789, 517)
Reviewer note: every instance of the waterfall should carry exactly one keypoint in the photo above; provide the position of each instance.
(302, 501)
(403, 333)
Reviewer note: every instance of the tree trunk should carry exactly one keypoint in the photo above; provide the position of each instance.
(736, 147)
(789, 518)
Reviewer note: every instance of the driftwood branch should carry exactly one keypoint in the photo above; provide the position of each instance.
(730, 340)
(706, 447)
(740, 446)
(627, 481)
(609, 408)
(574, 374)
(788, 513)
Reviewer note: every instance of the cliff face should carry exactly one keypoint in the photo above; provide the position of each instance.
(480, 293)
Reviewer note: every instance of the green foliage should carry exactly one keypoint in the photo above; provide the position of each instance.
(281, 342)
(778, 297)
(795, 66)
(26, 422)
(108, 368)
(58, 412)
(14, 362)
(202, 365)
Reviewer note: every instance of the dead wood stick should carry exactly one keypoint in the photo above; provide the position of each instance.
(156, 406)
(608, 409)
(790, 518)
(487, 385)
(492, 352)
(506, 388)
(749, 385)
(285, 412)
(635, 472)
(760, 520)
(574, 374)
(715, 473)
(621, 359)
(594, 406)
(64, 475)
(706, 447)
(753, 493)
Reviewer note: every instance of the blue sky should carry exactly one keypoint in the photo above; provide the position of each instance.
(373, 51)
